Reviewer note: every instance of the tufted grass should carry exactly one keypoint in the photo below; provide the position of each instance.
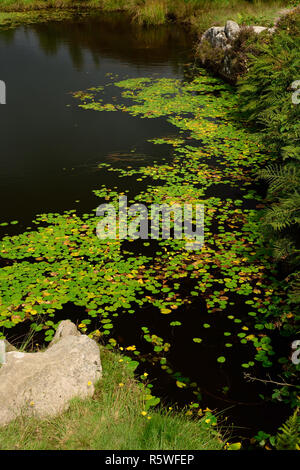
(152, 12)
(111, 420)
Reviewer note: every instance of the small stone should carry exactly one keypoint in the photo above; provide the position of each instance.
(258, 29)
(232, 29)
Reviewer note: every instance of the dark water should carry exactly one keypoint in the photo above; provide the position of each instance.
(49, 151)
(49, 154)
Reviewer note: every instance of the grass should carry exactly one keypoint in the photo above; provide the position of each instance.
(153, 12)
(112, 419)
(198, 14)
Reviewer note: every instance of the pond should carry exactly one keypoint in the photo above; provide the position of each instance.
(54, 154)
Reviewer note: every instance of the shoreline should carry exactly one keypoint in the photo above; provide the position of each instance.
(196, 18)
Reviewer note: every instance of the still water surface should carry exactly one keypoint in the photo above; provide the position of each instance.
(49, 147)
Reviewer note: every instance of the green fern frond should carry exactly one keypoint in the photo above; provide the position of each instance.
(280, 177)
(294, 294)
(291, 151)
(288, 437)
(284, 214)
(283, 248)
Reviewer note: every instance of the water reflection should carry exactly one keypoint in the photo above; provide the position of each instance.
(113, 36)
(48, 144)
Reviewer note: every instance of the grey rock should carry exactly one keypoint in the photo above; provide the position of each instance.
(231, 29)
(258, 29)
(211, 32)
(215, 36)
(221, 39)
(42, 384)
(65, 328)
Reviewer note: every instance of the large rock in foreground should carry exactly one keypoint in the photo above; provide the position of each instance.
(42, 384)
